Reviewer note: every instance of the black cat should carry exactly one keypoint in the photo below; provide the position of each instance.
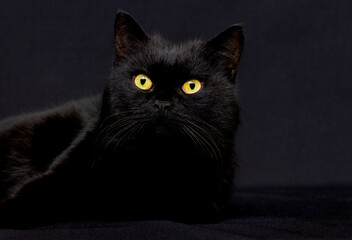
(158, 143)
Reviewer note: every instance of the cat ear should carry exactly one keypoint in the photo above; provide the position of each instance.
(226, 48)
(129, 36)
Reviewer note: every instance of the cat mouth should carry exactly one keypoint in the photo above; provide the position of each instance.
(161, 130)
(161, 125)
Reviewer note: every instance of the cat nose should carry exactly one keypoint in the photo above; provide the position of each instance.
(162, 105)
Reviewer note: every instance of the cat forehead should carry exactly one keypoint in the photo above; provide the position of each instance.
(163, 56)
(171, 52)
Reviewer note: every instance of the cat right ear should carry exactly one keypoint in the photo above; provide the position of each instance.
(129, 36)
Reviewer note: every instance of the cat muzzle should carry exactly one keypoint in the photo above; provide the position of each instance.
(162, 105)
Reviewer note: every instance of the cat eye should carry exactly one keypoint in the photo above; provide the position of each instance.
(143, 82)
(191, 86)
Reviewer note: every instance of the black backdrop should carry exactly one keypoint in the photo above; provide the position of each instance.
(295, 78)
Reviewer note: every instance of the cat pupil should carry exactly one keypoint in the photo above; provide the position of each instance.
(192, 85)
(143, 80)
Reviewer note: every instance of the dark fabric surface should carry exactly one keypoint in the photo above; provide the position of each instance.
(285, 213)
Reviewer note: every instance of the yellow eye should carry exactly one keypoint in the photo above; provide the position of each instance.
(143, 82)
(191, 86)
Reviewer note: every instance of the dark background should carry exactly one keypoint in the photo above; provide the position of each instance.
(295, 77)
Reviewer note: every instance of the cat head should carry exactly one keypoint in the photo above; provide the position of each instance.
(172, 88)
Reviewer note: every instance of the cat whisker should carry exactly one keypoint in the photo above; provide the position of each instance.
(121, 131)
(193, 138)
(203, 141)
(113, 115)
(112, 128)
(210, 128)
(138, 128)
(127, 130)
(117, 123)
(207, 147)
(209, 133)
(128, 133)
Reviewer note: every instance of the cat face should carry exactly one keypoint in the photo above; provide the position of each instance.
(167, 88)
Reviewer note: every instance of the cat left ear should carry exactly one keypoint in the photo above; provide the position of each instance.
(226, 48)
(129, 36)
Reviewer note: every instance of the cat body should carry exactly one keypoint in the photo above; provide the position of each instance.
(158, 143)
